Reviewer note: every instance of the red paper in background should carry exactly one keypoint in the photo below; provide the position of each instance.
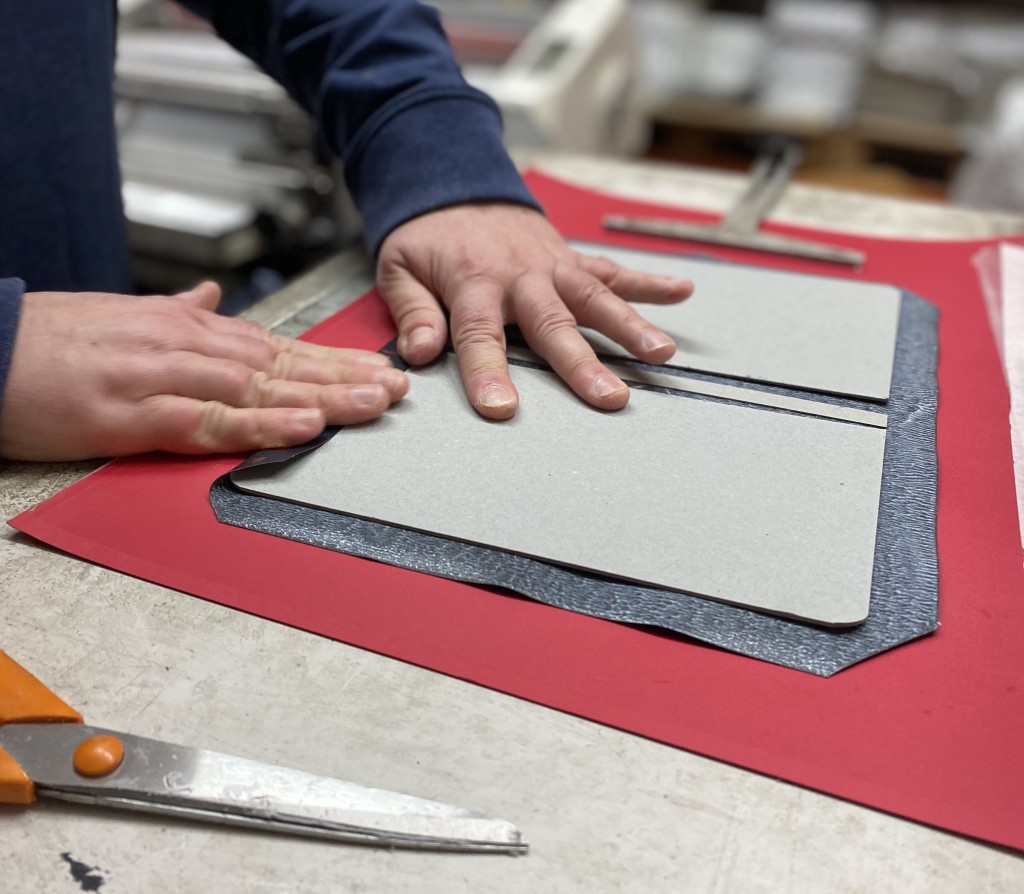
(932, 730)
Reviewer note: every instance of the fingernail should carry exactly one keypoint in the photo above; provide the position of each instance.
(495, 397)
(421, 337)
(606, 386)
(367, 395)
(653, 340)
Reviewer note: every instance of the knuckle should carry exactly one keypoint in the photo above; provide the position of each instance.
(604, 269)
(259, 390)
(156, 337)
(211, 432)
(165, 321)
(589, 294)
(263, 353)
(551, 321)
(281, 365)
(236, 384)
(137, 374)
(477, 332)
(408, 316)
(468, 267)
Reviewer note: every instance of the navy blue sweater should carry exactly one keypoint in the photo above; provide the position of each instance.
(377, 75)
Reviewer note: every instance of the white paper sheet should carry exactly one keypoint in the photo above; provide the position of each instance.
(1001, 271)
(1013, 354)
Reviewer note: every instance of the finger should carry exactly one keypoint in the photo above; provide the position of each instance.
(550, 329)
(248, 342)
(340, 404)
(214, 378)
(279, 358)
(478, 337)
(418, 316)
(595, 306)
(188, 374)
(206, 295)
(328, 353)
(300, 368)
(181, 425)
(237, 327)
(632, 285)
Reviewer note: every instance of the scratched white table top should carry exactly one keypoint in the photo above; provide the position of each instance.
(605, 811)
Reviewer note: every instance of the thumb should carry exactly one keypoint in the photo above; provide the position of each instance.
(205, 295)
(418, 316)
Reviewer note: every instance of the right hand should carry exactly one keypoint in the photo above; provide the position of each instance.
(97, 375)
(469, 270)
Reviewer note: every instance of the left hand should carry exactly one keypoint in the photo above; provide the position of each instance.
(492, 264)
(98, 374)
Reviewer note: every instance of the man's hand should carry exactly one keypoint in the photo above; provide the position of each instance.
(492, 264)
(107, 375)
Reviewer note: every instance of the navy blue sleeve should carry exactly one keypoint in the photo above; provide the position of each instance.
(379, 78)
(11, 291)
(62, 227)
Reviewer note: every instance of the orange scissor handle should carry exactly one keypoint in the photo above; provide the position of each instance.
(23, 699)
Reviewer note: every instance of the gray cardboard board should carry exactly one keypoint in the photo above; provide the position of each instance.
(807, 332)
(904, 587)
(769, 510)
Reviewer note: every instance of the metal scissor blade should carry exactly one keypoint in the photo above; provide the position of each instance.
(159, 777)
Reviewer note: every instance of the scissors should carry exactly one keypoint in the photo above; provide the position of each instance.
(47, 751)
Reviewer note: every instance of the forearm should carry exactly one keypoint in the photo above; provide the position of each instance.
(380, 79)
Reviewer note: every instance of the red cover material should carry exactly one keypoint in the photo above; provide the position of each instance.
(932, 731)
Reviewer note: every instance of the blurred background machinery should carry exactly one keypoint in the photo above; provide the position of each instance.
(225, 177)
(893, 96)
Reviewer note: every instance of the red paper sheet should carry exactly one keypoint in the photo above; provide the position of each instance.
(932, 731)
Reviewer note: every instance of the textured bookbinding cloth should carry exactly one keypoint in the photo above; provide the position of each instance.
(904, 588)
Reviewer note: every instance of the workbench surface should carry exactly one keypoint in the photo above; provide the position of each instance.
(604, 811)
